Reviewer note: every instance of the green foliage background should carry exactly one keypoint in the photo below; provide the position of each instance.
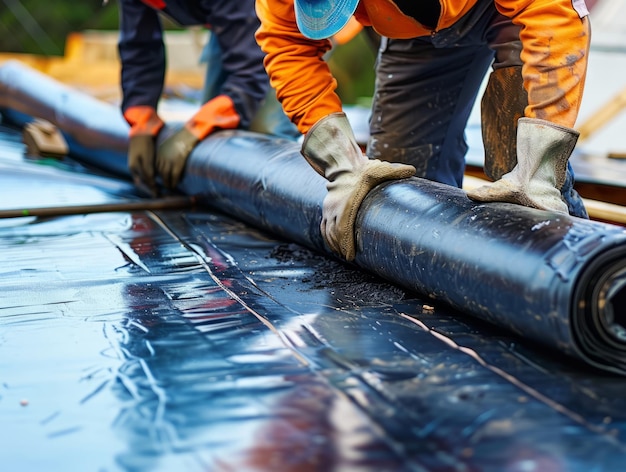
(41, 26)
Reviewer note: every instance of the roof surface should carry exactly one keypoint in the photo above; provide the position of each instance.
(186, 340)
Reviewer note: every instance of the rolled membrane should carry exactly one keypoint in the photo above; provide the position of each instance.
(550, 278)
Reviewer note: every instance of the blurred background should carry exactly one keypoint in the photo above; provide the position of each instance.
(75, 42)
(42, 28)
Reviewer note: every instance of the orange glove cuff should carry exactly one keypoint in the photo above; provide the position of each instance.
(217, 113)
(143, 120)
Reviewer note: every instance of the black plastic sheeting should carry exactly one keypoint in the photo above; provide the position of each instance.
(169, 341)
(547, 277)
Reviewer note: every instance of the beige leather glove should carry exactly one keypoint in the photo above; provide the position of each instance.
(331, 149)
(543, 149)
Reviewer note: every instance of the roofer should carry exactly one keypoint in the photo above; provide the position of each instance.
(432, 60)
(230, 102)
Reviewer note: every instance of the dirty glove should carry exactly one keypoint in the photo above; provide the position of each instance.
(172, 154)
(145, 125)
(543, 149)
(331, 149)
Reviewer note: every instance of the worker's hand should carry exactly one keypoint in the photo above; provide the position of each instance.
(331, 149)
(141, 162)
(543, 149)
(345, 195)
(145, 127)
(172, 154)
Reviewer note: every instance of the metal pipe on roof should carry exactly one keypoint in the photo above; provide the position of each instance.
(153, 204)
(550, 278)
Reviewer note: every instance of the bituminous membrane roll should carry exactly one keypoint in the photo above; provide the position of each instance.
(550, 278)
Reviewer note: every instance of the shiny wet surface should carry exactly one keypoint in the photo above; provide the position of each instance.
(190, 341)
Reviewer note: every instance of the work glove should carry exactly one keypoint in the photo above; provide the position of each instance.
(331, 149)
(145, 126)
(543, 149)
(172, 154)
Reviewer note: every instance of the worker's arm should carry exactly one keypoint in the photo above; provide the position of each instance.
(555, 45)
(142, 55)
(303, 82)
(555, 39)
(306, 88)
(244, 87)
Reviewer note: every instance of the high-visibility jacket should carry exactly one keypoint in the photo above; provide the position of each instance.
(142, 52)
(554, 36)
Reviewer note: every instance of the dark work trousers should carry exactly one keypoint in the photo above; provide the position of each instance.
(426, 88)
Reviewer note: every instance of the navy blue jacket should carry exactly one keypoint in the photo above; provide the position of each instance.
(142, 52)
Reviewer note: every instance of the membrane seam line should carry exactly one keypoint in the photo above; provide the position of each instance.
(517, 383)
(231, 293)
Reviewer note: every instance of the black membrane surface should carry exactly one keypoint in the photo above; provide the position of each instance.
(188, 340)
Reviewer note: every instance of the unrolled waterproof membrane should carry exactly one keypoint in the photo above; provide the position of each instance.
(550, 278)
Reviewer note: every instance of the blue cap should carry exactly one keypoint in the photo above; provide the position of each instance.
(321, 19)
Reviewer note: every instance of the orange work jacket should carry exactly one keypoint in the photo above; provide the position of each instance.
(555, 44)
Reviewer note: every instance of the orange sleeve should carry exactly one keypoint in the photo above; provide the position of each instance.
(555, 37)
(143, 119)
(297, 71)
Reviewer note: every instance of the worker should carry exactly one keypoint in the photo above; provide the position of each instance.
(232, 102)
(432, 60)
